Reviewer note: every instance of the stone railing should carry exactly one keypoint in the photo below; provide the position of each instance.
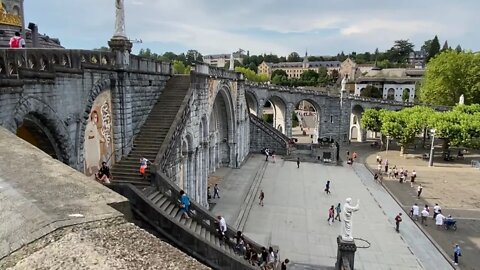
(206, 70)
(289, 89)
(381, 101)
(277, 135)
(199, 213)
(172, 140)
(13, 61)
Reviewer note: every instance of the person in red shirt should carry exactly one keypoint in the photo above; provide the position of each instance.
(398, 219)
(17, 41)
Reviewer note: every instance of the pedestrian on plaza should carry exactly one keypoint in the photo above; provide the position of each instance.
(267, 152)
(17, 41)
(379, 168)
(425, 215)
(216, 191)
(436, 210)
(395, 172)
(419, 190)
(284, 264)
(412, 179)
(415, 211)
(184, 204)
(378, 159)
(354, 155)
(331, 215)
(338, 210)
(391, 174)
(298, 162)
(398, 219)
(386, 166)
(457, 252)
(261, 197)
(375, 177)
(439, 219)
(327, 187)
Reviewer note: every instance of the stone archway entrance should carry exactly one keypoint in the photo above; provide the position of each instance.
(274, 112)
(355, 124)
(306, 122)
(35, 131)
(252, 103)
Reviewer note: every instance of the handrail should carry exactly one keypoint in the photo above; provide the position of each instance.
(174, 133)
(201, 215)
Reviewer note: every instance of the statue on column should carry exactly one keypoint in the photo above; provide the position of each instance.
(232, 62)
(348, 210)
(344, 83)
(462, 100)
(119, 19)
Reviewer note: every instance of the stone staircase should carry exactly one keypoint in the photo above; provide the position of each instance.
(148, 141)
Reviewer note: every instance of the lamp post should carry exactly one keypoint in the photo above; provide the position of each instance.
(386, 151)
(430, 161)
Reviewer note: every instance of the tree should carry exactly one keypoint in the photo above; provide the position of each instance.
(458, 48)
(334, 75)
(180, 68)
(371, 120)
(449, 75)
(310, 76)
(434, 49)
(279, 72)
(400, 51)
(371, 91)
(192, 56)
(270, 58)
(251, 75)
(445, 46)
(294, 57)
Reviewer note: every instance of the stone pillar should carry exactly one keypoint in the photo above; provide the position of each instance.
(288, 119)
(345, 254)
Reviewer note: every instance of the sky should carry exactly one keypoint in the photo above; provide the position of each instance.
(260, 26)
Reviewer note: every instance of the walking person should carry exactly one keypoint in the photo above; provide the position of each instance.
(284, 264)
(398, 219)
(457, 252)
(222, 226)
(338, 210)
(261, 197)
(17, 41)
(436, 209)
(415, 211)
(327, 187)
(331, 214)
(216, 191)
(298, 162)
(184, 204)
(412, 179)
(425, 215)
(354, 155)
(386, 166)
(439, 218)
(419, 190)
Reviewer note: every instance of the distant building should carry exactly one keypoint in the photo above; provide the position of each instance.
(417, 59)
(220, 60)
(394, 83)
(295, 69)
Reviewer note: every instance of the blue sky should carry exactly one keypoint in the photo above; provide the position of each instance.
(260, 26)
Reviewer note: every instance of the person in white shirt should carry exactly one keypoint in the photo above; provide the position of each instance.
(425, 215)
(439, 218)
(415, 211)
(436, 210)
(222, 226)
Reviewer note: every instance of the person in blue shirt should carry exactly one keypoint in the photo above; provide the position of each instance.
(457, 252)
(185, 204)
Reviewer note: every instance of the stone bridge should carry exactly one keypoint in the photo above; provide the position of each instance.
(336, 117)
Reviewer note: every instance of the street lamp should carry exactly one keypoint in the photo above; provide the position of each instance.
(430, 161)
(388, 139)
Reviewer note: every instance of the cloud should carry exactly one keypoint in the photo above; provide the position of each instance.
(278, 26)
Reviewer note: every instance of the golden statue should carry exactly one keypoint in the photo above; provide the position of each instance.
(8, 18)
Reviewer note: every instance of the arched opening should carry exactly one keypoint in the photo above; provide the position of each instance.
(391, 94)
(274, 112)
(35, 131)
(306, 122)
(406, 95)
(252, 103)
(356, 131)
(221, 129)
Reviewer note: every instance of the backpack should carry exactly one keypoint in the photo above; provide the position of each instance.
(15, 43)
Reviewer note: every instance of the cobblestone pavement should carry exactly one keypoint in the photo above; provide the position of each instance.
(108, 244)
(453, 185)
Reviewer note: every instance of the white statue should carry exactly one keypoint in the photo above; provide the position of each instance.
(348, 210)
(344, 83)
(119, 19)
(462, 100)
(232, 62)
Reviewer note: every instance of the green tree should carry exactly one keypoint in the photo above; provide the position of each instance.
(449, 75)
(251, 75)
(371, 91)
(279, 72)
(294, 57)
(270, 58)
(400, 51)
(458, 48)
(192, 56)
(434, 49)
(401, 126)
(445, 46)
(180, 68)
(309, 76)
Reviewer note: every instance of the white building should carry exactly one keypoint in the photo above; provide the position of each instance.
(221, 60)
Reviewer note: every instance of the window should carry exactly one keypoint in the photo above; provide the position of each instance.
(331, 119)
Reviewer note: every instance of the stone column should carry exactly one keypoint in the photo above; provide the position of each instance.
(288, 119)
(345, 254)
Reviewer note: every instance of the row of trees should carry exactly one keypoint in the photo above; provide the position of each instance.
(307, 78)
(458, 127)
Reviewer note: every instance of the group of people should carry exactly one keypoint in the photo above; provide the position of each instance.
(351, 159)
(104, 176)
(269, 153)
(266, 259)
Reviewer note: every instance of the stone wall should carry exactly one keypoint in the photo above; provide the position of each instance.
(60, 86)
(261, 138)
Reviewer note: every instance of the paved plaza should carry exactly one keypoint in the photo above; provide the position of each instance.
(295, 215)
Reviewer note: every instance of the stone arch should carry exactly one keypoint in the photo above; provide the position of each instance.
(99, 87)
(406, 94)
(391, 94)
(252, 102)
(222, 126)
(308, 113)
(357, 111)
(38, 113)
(278, 110)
